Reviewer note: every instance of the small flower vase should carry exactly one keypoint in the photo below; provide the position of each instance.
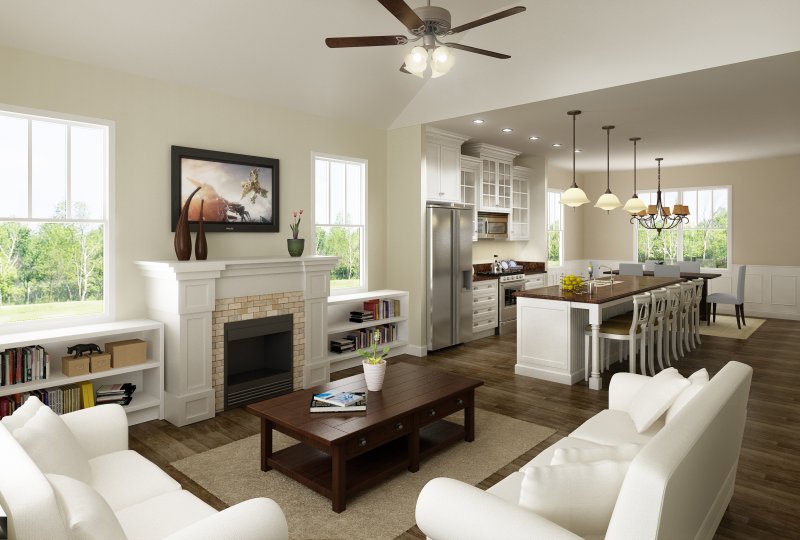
(295, 246)
(374, 374)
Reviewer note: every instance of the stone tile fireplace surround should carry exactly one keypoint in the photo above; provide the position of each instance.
(195, 298)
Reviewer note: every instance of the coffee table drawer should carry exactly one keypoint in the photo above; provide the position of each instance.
(440, 409)
(379, 435)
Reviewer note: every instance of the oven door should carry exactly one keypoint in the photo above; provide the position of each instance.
(507, 300)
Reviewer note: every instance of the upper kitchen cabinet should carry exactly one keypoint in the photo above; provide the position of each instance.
(496, 174)
(470, 178)
(520, 222)
(443, 165)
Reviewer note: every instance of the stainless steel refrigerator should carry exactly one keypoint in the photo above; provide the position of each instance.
(449, 274)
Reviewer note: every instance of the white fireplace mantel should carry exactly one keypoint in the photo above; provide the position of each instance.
(182, 295)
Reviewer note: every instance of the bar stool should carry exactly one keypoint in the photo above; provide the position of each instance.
(696, 301)
(655, 325)
(632, 329)
(685, 318)
(671, 320)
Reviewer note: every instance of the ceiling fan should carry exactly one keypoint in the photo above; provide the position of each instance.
(426, 23)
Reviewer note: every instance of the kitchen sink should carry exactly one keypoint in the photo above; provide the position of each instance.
(603, 282)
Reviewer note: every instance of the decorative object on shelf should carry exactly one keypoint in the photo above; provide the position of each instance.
(183, 240)
(608, 201)
(200, 244)
(574, 196)
(81, 348)
(294, 244)
(374, 363)
(428, 23)
(657, 216)
(634, 205)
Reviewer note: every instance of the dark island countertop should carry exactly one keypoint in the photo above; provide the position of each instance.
(624, 286)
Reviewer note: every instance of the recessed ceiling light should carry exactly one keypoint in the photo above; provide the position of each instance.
(533, 138)
(507, 130)
(578, 150)
(556, 145)
(478, 121)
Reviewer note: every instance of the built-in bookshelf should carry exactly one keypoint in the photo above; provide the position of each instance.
(148, 399)
(339, 324)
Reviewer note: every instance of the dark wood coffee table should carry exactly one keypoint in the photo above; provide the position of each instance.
(340, 454)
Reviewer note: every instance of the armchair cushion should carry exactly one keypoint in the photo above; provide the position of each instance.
(622, 452)
(22, 415)
(126, 478)
(52, 446)
(85, 513)
(613, 428)
(163, 515)
(101, 429)
(655, 397)
(697, 380)
(254, 519)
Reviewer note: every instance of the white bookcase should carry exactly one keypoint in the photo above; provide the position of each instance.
(339, 325)
(148, 399)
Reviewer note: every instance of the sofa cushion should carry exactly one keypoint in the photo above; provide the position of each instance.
(614, 428)
(23, 414)
(697, 380)
(622, 452)
(162, 515)
(655, 397)
(125, 478)
(85, 512)
(52, 446)
(577, 496)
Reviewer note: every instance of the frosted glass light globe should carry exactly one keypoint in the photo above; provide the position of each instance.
(574, 197)
(634, 205)
(416, 61)
(608, 201)
(442, 60)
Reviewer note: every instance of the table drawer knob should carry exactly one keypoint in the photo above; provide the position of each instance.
(460, 402)
(398, 426)
(432, 412)
(362, 441)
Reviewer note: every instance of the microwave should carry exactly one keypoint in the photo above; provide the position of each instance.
(492, 225)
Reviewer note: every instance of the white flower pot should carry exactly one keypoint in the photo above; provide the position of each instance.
(374, 374)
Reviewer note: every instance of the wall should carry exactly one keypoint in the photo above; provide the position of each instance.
(152, 115)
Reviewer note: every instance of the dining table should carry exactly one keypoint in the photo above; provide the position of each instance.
(691, 275)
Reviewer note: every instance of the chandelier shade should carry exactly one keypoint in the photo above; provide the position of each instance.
(658, 217)
(574, 196)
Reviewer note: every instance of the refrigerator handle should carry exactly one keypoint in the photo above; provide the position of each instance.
(467, 280)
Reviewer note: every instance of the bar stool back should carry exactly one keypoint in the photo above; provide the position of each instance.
(698, 297)
(655, 329)
(687, 301)
(671, 319)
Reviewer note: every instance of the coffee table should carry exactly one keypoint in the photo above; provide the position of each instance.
(340, 454)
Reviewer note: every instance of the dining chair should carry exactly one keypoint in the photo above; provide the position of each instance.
(689, 266)
(671, 322)
(685, 318)
(633, 329)
(696, 301)
(723, 298)
(630, 269)
(650, 265)
(667, 270)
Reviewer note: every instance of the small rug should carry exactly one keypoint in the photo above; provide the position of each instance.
(232, 473)
(726, 327)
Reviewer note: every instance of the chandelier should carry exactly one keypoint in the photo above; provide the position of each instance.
(657, 216)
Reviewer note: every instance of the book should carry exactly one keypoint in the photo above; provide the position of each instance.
(340, 399)
(87, 395)
(322, 406)
(116, 389)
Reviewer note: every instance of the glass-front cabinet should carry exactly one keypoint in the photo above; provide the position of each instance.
(496, 176)
(520, 222)
(470, 177)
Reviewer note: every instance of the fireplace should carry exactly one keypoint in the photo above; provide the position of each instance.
(258, 359)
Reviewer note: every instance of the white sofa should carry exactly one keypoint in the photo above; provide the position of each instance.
(677, 486)
(146, 502)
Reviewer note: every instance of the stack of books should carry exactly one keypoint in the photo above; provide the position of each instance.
(120, 394)
(359, 316)
(341, 345)
(338, 402)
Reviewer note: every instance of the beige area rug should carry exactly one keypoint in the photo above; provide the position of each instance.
(726, 327)
(233, 474)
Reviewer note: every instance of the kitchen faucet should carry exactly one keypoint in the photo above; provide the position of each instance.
(609, 270)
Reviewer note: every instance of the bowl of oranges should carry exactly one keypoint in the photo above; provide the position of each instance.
(572, 283)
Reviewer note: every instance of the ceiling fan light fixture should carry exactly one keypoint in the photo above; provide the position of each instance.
(416, 61)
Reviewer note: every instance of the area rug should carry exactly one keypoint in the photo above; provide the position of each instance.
(725, 326)
(233, 474)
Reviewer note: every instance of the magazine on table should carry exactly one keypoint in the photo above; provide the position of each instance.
(341, 399)
(323, 406)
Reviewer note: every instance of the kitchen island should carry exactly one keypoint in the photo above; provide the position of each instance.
(551, 325)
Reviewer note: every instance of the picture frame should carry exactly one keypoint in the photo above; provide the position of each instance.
(240, 192)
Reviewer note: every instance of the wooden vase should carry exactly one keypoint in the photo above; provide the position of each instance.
(200, 245)
(183, 240)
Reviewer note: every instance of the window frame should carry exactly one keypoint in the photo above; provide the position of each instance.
(680, 227)
(109, 255)
(364, 213)
(562, 229)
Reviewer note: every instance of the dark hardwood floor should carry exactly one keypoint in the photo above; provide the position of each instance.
(767, 495)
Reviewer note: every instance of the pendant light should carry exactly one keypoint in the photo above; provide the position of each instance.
(608, 201)
(634, 205)
(657, 217)
(574, 196)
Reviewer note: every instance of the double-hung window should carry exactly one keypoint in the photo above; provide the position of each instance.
(555, 228)
(340, 217)
(54, 218)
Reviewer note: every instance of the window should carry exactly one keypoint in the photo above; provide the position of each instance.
(555, 228)
(706, 238)
(340, 218)
(54, 224)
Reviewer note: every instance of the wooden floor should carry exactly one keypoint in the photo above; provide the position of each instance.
(766, 500)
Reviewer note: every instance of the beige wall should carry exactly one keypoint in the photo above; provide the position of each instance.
(151, 115)
(765, 196)
(573, 217)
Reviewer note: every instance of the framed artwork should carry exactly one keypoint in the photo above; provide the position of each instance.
(239, 192)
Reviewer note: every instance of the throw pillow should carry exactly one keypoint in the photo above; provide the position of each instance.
(654, 398)
(52, 446)
(23, 414)
(87, 515)
(577, 496)
(622, 452)
(698, 380)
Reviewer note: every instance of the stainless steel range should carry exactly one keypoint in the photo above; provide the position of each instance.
(510, 282)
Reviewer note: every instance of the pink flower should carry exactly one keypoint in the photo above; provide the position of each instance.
(294, 214)
(301, 212)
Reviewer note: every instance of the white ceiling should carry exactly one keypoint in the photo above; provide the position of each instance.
(273, 51)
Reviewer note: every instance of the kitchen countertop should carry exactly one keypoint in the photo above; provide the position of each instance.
(528, 268)
(624, 286)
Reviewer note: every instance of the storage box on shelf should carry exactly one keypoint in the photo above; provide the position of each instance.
(484, 308)
(340, 325)
(148, 376)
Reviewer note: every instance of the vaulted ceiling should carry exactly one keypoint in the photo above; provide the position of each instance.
(273, 52)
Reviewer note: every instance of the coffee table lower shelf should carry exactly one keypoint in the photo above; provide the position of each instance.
(312, 467)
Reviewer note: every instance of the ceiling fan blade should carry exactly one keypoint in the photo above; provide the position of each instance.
(478, 51)
(404, 13)
(488, 19)
(365, 41)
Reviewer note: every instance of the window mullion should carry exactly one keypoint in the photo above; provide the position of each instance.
(68, 209)
(30, 168)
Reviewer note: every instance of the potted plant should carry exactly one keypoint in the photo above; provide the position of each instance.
(374, 363)
(294, 244)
